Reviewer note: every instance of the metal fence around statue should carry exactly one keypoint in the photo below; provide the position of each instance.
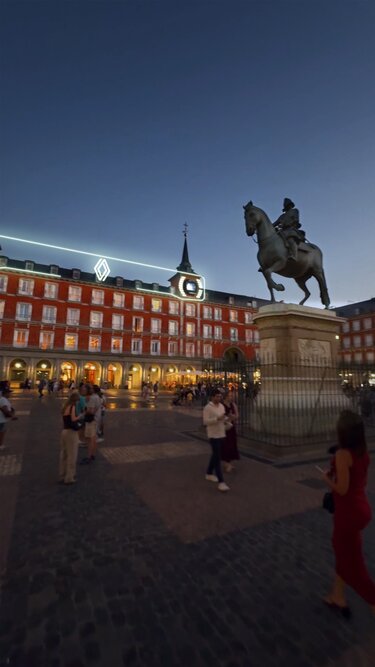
(294, 406)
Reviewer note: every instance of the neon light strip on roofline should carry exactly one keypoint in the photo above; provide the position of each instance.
(91, 254)
(38, 273)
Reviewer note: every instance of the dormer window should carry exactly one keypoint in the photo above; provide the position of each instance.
(155, 286)
(119, 281)
(3, 261)
(231, 300)
(76, 274)
(29, 266)
(54, 269)
(138, 284)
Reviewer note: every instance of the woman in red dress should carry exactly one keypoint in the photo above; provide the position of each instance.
(229, 451)
(348, 479)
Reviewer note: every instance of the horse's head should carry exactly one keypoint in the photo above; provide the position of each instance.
(251, 218)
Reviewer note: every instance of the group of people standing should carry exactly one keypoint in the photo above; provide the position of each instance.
(83, 415)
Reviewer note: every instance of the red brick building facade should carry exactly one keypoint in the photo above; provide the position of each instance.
(65, 323)
(358, 334)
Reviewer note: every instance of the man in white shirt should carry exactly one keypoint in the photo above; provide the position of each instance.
(214, 419)
(6, 411)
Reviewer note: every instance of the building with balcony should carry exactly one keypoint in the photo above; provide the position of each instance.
(71, 324)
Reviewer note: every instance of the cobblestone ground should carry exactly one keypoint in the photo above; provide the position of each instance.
(144, 563)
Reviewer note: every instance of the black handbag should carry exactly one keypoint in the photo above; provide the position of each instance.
(328, 502)
(89, 417)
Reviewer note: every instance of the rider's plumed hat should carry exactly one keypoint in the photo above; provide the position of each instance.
(288, 203)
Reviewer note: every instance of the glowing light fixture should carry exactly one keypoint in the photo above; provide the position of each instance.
(18, 365)
(43, 366)
(134, 368)
(153, 370)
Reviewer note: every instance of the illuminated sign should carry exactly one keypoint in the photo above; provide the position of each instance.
(101, 269)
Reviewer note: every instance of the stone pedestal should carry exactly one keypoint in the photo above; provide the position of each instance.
(301, 394)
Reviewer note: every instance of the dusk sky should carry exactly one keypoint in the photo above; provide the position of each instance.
(121, 121)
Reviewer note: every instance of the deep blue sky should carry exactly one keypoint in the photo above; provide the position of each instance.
(122, 120)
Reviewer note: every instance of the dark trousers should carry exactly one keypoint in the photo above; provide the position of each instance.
(215, 460)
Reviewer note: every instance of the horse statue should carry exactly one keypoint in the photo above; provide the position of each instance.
(273, 256)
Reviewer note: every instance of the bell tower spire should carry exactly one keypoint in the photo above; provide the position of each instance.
(185, 265)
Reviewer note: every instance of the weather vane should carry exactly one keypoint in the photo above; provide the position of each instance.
(185, 229)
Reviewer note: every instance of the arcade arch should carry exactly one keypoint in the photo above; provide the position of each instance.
(135, 376)
(43, 370)
(17, 371)
(68, 371)
(92, 372)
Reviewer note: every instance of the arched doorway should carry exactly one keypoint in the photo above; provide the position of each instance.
(233, 355)
(114, 375)
(188, 375)
(171, 377)
(91, 372)
(135, 377)
(68, 371)
(153, 374)
(17, 371)
(43, 370)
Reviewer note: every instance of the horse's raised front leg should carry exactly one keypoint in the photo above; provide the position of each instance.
(268, 276)
(301, 282)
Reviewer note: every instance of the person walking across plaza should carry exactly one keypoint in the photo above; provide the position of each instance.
(352, 513)
(229, 450)
(6, 411)
(92, 417)
(69, 439)
(214, 419)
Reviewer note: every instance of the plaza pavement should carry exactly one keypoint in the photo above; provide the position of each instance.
(144, 563)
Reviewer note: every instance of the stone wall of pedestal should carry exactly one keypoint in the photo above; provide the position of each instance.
(301, 394)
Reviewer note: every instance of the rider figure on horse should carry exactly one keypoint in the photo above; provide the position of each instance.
(289, 228)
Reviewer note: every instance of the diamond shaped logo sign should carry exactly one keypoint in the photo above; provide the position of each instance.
(102, 269)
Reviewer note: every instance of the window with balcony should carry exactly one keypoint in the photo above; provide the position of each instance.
(172, 348)
(51, 290)
(207, 351)
(207, 331)
(357, 341)
(190, 350)
(358, 357)
(72, 317)
(116, 344)
(190, 309)
(207, 313)
(156, 305)
(23, 312)
(218, 333)
(370, 357)
(233, 334)
(256, 336)
(96, 319)
(233, 316)
(369, 340)
(173, 328)
(348, 358)
(248, 317)
(155, 347)
(20, 337)
(46, 339)
(345, 327)
(173, 307)
(2, 308)
(97, 297)
(49, 314)
(136, 347)
(74, 293)
(71, 342)
(117, 322)
(118, 300)
(3, 283)
(356, 325)
(190, 328)
(137, 324)
(155, 325)
(248, 335)
(138, 302)
(346, 342)
(95, 343)
(217, 314)
(25, 287)
(367, 324)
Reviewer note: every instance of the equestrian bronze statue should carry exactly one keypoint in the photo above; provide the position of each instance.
(284, 250)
